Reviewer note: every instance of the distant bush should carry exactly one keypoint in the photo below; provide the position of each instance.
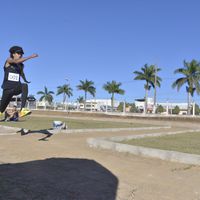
(176, 110)
(120, 107)
(134, 109)
(160, 109)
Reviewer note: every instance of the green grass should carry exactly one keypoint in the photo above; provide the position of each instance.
(37, 123)
(186, 143)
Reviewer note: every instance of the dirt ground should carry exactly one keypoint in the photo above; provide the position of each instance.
(63, 167)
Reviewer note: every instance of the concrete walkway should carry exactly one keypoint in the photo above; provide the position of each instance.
(113, 143)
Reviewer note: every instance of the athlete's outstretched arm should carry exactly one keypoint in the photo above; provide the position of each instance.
(21, 60)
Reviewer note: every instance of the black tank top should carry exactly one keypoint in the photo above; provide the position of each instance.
(11, 76)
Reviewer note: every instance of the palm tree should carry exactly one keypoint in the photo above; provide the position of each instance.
(87, 86)
(148, 74)
(113, 88)
(66, 90)
(46, 95)
(191, 77)
(80, 99)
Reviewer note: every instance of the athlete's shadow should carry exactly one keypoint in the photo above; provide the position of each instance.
(57, 178)
(43, 131)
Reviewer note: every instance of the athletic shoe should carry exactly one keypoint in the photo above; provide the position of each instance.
(24, 112)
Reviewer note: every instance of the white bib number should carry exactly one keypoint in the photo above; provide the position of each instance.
(13, 77)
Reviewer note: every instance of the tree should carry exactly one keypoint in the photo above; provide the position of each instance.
(160, 109)
(87, 86)
(46, 95)
(120, 107)
(191, 77)
(80, 99)
(113, 88)
(176, 110)
(149, 75)
(66, 90)
(134, 109)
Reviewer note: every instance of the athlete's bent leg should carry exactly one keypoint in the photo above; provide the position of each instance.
(24, 94)
(5, 100)
(24, 91)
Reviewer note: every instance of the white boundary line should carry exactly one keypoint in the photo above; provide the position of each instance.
(78, 131)
(112, 129)
(7, 134)
(10, 129)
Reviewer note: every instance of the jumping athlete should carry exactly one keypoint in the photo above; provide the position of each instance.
(12, 85)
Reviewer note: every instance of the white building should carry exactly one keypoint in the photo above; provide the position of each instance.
(140, 103)
(99, 105)
(42, 103)
(170, 106)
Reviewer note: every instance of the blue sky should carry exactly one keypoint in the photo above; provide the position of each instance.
(102, 40)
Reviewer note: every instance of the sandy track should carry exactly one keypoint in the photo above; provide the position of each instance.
(64, 167)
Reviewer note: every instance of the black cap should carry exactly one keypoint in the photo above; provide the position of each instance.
(16, 49)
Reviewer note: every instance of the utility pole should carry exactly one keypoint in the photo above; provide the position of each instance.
(167, 107)
(124, 107)
(155, 84)
(193, 108)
